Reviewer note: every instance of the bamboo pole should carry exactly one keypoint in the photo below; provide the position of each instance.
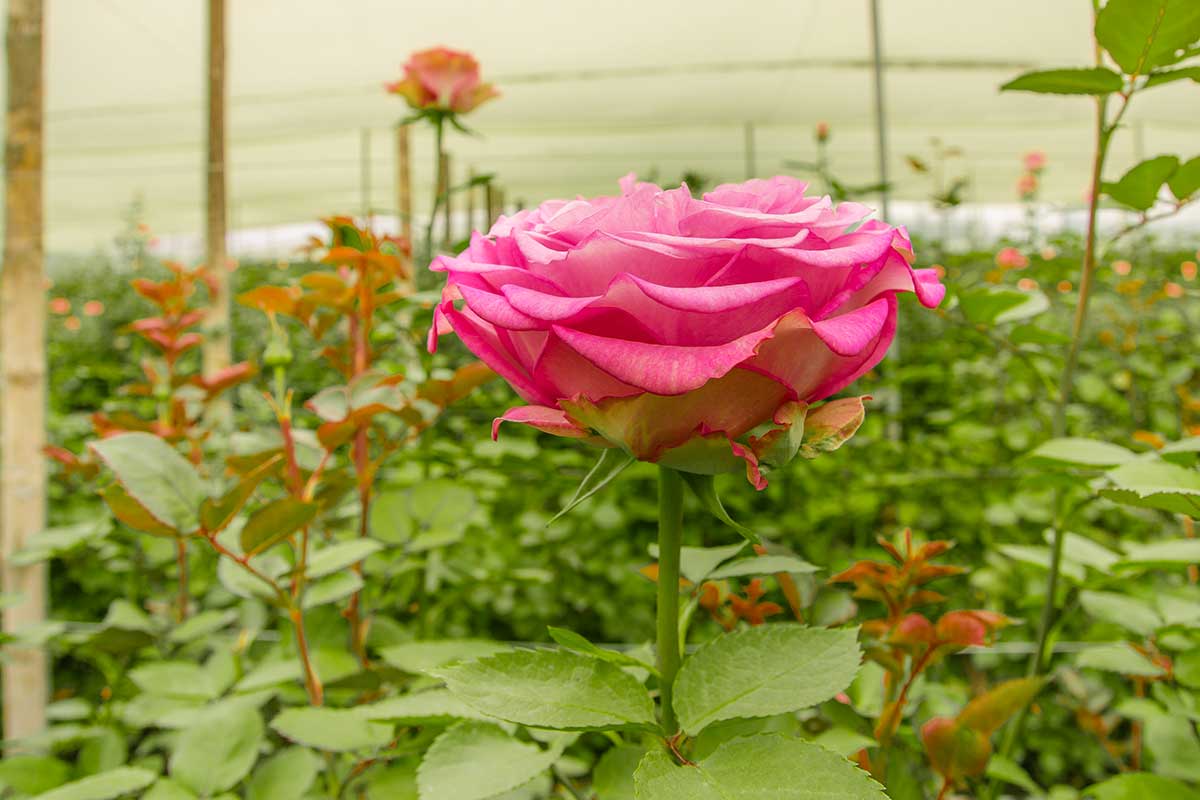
(492, 201)
(23, 368)
(472, 189)
(447, 202)
(217, 353)
(404, 190)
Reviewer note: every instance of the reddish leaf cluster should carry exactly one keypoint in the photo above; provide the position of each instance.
(728, 607)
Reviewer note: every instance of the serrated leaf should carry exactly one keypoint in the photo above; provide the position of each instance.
(339, 556)
(1143, 34)
(763, 565)
(1128, 612)
(216, 514)
(1140, 786)
(613, 776)
(288, 773)
(1172, 75)
(697, 563)
(757, 672)
(987, 712)
(498, 763)
(1172, 553)
(754, 768)
(334, 730)
(705, 489)
(1156, 484)
(551, 689)
(612, 462)
(574, 642)
(1186, 180)
(423, 656)
(421, 707)
(275, 522)
(1078, 452)
(105, 786)
(154, 475)
(174, 679)
(1118, 657)
(1092, 80)
(132, 513)
(1084, 551)
(1139, 187)
(218, 750)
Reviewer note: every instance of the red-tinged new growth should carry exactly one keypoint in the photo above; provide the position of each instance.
(906, 642)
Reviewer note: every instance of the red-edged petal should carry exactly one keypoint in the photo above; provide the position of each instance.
(548, 420)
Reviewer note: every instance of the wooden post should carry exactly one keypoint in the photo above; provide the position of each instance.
(23, 368)
(447, 201)
(217, 354)
(404, 191)
(470, 203)
(491, 197)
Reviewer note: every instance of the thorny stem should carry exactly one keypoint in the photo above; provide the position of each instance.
(670, 540)
(312, 683)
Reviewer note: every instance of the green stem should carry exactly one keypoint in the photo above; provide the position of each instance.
(439, 124)
(670, 540)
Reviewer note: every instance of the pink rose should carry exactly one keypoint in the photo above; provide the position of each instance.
(673, 326)
(1027, 185)
(1035, 161)
(444, 80)
(1011, 258)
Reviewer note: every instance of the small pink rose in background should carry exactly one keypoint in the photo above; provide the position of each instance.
(93, 308)
(59, 305)
(441, 79)
(822, 131)
(72, 323)
(1049, 253)
(1035, 161)
(1011, 258)
(1027, 185)
(673, 326)
(1027, 285)
(1173, 290)
(1188, 270)
(1122, 267)
(1064, 287)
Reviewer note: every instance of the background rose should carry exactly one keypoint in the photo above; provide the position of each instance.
(444, 80)
(673, 326)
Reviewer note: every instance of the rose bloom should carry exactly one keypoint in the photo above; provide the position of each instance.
(1172, 289)
(93, 308)
(441, 79)
(1188, 270)
(1011, 258)
(71, 323)
(1027, 284)
(1035, 161)
(673, 326)
(1049, 253)
(1064, 286)
(822, 131)
(1027, 185)
(60, 305)
(1122, 267)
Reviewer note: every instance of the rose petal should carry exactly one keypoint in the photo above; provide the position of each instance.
(548, 420)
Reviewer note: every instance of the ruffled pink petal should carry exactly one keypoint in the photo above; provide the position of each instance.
(548, 420)
(481, 339)
(545, 306)
(495, 309)
(659, 368)
(849, 334)
(686, 246)
(713, 299)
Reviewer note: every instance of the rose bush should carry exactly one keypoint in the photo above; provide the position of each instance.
(441, 79)
(674, 326)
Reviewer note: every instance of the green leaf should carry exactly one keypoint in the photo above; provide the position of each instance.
(1077, 452)
(332, 588)
(1005, 769)
(985, 306)
(578, 644)
(1118, 657)
(1170, 554)
(754, 768)
(612, 462)
(275, 522)
(497, 763)
(1170, 76)
(105, 786)
(705, 489)
(613, 776)
(174, 679)
(1143, 34)
(339, 556)
(331, 729)
(1140, 786)
(551, 689)
(1093, 80)
(697, 563)
(154, 474)
(830, 425)
(288, 773)
(429, 515)
(418, 708)
(167, 789)
(1172, 742)
(216, 752)
(763, 565)
(757, 672)
(216, 514)
(203, 624)
(1156, 484)
(987, 712)
(1139, 187)
(1128, 612)
(421, 657)
(1186, 180)
(30, 774)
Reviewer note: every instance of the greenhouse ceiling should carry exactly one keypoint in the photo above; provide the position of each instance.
(590, 91)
